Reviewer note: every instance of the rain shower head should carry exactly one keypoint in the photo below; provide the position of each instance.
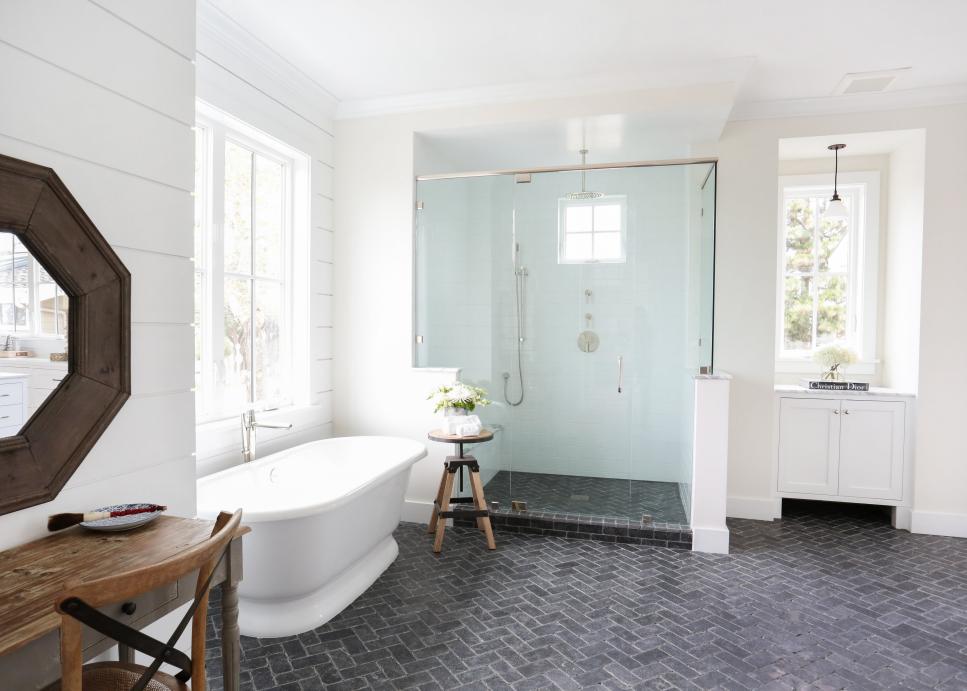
(583, 195)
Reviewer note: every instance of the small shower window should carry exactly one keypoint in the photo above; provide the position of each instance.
(591, 231)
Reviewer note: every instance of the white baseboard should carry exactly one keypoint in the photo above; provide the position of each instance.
(714, 540)
(756, 508)
(416, 511)
(937, 523)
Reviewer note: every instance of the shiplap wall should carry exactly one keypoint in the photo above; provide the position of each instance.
(103, 92)
(243, 77)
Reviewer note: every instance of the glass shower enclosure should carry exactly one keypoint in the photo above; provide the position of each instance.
(583, 304)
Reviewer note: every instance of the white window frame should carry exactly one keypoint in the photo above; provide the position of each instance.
(221, 127)
(863, 273)
(608, 200)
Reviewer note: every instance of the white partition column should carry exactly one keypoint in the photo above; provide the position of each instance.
(711, 463)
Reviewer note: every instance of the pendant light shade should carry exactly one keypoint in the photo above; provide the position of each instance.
(836, 209)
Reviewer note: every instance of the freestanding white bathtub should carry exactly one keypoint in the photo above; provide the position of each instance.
(322, 517)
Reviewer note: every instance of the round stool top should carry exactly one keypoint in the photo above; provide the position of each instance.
(439, 435)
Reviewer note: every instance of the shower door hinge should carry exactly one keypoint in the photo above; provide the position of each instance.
(522, 177)
(419, 206)
(419, 339)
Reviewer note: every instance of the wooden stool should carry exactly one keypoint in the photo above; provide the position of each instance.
(451, 466)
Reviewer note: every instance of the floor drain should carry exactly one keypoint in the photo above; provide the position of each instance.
(647, 519)
(518, 505)
(580, 497)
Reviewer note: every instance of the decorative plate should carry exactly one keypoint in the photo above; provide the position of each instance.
(119, 523)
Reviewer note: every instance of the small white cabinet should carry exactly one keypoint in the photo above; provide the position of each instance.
(808, 446)
(847, 447)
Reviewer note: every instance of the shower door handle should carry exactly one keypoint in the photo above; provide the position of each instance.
(620, 371)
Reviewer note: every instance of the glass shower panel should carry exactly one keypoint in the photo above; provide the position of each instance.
(569, 435)
(535, 294)
(460, 224)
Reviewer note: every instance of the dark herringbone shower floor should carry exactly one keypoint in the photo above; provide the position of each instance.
(589, 496)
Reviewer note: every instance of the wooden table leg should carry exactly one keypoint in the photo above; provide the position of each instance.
(231, 646)
(125, 653)
(444, 506)
(439, 501)
(481, 503)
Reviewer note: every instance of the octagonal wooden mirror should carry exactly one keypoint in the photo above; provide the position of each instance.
(58, 277)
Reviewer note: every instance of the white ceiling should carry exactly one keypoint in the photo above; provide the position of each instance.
(361, 50)
(857, 144)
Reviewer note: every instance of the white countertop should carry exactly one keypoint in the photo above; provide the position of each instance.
(874, 391)
(31, 362)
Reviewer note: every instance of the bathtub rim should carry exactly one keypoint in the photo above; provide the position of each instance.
(304, 510)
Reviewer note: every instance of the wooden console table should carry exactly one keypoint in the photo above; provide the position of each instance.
(32, 575)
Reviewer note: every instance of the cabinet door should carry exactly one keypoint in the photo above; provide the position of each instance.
(808, 445)
(871, 449)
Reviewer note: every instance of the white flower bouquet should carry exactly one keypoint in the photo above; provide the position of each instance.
(457, 398)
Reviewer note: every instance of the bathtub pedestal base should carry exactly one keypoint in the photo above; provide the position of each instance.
(275, 618)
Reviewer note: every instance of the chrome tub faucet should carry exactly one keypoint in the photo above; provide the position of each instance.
(249, 425)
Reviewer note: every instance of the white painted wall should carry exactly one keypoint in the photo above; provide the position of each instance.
(239, 75)
(113, 115)
(903, 266)
(745, 304)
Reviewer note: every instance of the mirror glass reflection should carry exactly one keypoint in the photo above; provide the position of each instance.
(33, 334)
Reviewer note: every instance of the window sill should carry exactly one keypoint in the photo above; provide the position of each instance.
(801, 366)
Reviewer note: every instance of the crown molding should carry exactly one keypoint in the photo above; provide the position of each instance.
(732, 70)
(229, 45)
(925, 97)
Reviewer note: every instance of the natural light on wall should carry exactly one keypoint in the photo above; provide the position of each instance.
(248, 254)
(591, 231)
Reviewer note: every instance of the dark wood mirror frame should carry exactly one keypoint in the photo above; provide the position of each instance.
(38, 208)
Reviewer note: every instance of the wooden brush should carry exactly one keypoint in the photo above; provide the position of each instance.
(59, 521)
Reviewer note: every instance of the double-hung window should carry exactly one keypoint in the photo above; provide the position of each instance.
(827, 268)
(244, 213)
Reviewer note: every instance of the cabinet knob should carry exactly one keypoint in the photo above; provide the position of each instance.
(845, 412)
(129, 608)
(836, 412)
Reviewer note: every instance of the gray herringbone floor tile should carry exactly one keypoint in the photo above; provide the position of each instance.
(812, 601)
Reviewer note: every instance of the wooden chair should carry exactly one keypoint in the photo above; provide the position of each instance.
(77, 605)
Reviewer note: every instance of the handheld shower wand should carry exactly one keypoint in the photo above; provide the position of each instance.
(520, 273)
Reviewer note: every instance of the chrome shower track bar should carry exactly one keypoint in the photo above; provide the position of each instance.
(562, 169)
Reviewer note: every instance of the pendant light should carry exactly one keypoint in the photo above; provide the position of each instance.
(836, 209)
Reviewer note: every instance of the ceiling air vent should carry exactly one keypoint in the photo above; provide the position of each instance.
(868, 82)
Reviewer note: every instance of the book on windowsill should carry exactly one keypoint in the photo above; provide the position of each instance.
(823, 385)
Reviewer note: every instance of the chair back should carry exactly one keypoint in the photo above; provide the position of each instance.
(77, 602)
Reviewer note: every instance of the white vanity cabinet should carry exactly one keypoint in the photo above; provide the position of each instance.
(13, 403)
(41, 377)
(844, 446)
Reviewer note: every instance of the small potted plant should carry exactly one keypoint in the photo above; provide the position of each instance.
(457, 398)
(832, 358)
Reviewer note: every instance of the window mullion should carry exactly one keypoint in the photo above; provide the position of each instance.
(216, 279)
(252, 325)
(815, 274)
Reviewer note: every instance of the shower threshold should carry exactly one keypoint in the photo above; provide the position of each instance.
(601, 509)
